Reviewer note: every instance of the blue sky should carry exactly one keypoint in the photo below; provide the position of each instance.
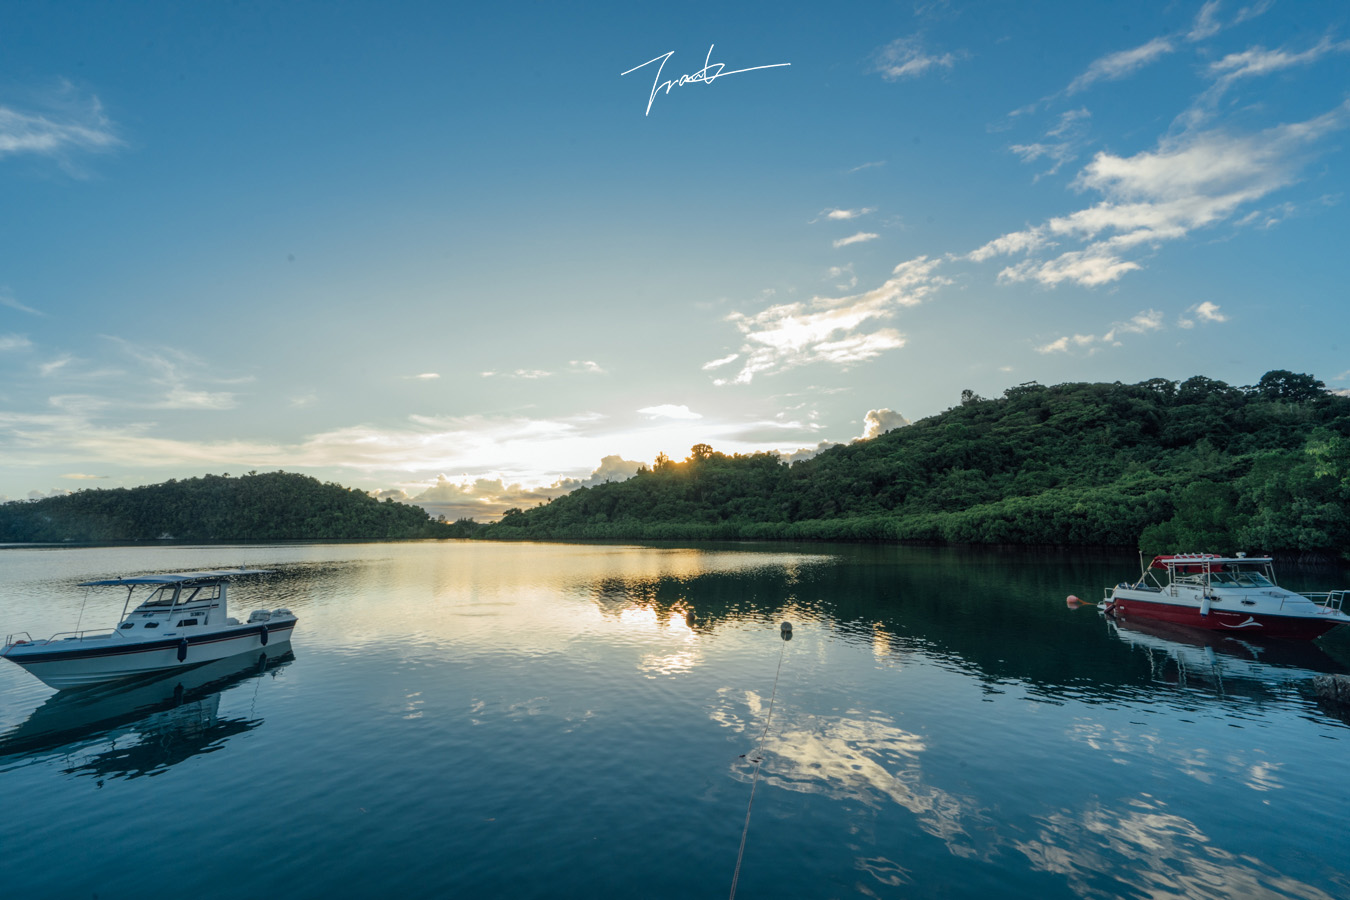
(457, 255)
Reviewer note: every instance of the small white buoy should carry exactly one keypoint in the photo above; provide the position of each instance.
(786, 630)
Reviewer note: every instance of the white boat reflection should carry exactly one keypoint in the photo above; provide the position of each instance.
(1188, 658)
(144, 725)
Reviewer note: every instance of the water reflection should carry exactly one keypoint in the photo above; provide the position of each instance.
(1146, 850)
(1221, 663)
(943, 727)
(961, 612)
(856, 756)
(141, 727)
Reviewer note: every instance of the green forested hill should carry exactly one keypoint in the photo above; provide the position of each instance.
(1195, 465)
(275, 506)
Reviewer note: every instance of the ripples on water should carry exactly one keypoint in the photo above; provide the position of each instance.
(558, 720)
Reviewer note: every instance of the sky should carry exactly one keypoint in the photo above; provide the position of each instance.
(476, 256)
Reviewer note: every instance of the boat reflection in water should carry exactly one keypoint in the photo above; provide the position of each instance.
(143, 726)
(1191, 658)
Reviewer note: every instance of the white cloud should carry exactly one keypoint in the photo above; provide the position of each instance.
(66, 122)
(1115, 66)
(907, 58)
(180, 398)
(1014, 242)
(1192, 181)
(867, 165)
(524, 374)
(718, 363)
(1066, 139)
(1258, 61)
(807, 452)
(880, 421)
(1143, 322)
(54, 492)
(79, 432)
(79, 404)
(843, 215)
(486, 498)
(14, 342)
(1089, 268)
(1205, 24)
(1251, 63)
(171, 369)
(54, 366)
(669, 411)
(1210, 312)
(858, 238)
(586, 367)
(850, 278)
(6, 300)
(1205, 312)
(829, 330)
(425, 376)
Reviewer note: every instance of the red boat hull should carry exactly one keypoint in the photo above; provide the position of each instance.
(1226, 621)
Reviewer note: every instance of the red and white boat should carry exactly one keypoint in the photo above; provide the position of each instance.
(1226, 594)
(182, 621)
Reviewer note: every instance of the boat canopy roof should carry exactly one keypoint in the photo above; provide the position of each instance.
(177, 578)
(1198, 562)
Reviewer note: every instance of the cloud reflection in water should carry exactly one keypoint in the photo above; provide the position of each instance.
(1147, 851)
(854, 756)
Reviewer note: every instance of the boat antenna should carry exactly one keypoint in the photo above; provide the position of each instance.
(80, 618)
(1143, 569)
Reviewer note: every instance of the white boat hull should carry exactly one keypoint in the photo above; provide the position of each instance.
(79, 662)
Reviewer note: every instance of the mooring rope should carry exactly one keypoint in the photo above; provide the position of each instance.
(759, 759)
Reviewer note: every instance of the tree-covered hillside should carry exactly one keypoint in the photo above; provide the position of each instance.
(1195, 465)
(274, 506)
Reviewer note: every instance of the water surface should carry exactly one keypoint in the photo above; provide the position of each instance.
(532, 720)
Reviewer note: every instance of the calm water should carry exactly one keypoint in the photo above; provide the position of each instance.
(460, 719)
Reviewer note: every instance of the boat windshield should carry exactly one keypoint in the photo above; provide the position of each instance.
(162, 596)
(1231, 576)
(1251, 579)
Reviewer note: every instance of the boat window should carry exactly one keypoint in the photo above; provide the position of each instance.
(162, 596)
(151, 624)
(1252, 579)
(187, 622)
(128, 624)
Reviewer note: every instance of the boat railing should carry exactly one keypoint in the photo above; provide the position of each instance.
(18, 637)
(1332, 600)
(86, 635)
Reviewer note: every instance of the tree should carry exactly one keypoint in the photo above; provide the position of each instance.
(1281, 384)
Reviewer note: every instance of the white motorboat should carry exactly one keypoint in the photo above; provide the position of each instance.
(1226, 594)
(182, 621)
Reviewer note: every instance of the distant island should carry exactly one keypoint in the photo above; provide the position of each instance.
(272, 506)
(1196, 465)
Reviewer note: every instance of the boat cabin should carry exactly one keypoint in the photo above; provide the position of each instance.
(1205, 571)
(174, 602)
